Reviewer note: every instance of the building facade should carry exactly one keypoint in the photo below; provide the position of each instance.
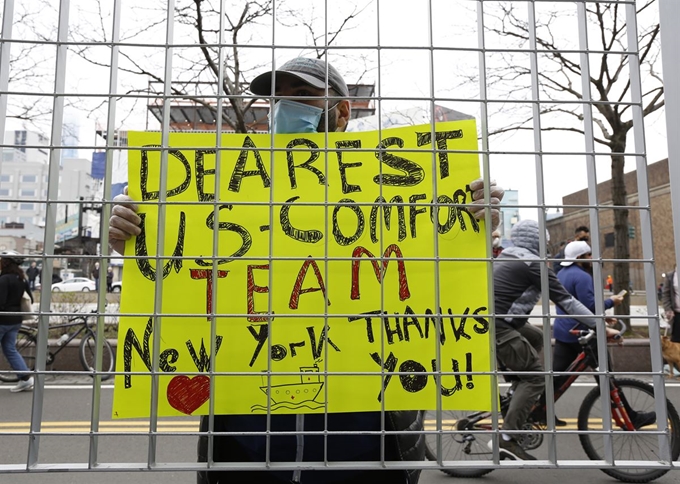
(562, 228)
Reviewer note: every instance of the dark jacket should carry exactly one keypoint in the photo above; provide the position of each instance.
(668, 292)
(12, 288)
(32, 273)
(517, 281)
(407, 446)
(579, 283)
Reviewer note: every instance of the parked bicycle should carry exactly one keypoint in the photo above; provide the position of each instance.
(85, 329)
(635, 435)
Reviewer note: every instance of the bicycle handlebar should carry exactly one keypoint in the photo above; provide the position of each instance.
(585, 335)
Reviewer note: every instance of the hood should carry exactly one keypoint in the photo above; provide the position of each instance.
(525, 235)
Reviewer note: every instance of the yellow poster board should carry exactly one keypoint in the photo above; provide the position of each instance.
(327, 273)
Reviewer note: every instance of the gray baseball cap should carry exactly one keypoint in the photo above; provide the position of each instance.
(311, 71)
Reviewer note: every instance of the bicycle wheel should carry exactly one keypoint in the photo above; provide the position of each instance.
(26, 348)
(459, 446)
(638, 445)
(88, 347)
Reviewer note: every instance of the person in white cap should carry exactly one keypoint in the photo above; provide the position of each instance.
(576, 277)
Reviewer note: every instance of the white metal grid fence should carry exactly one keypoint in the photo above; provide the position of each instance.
(427, 49)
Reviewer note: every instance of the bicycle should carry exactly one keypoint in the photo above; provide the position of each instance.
(27, 338)
(625, 392)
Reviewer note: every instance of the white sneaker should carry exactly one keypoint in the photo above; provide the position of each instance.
(22, 385)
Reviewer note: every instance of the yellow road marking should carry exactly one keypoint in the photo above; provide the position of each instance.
(105, 426)
(127, 426)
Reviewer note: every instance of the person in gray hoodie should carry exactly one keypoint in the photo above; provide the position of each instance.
(517, 289)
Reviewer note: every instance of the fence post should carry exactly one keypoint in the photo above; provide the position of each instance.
(669, 18)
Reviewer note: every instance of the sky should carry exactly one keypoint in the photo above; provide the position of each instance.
(401, 70)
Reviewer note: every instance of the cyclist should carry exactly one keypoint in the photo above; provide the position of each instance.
(13, 284)
(517, 288)
(576, 277)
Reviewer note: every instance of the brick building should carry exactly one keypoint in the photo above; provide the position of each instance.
(575, 214)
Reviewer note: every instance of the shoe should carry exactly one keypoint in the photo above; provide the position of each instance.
(541, 419)
(559, 422)
(642, 419)
(509, 449)
(22, 385)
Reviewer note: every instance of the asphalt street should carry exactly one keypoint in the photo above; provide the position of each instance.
(68, 412)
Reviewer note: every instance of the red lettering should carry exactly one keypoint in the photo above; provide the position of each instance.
(297, 288)
(207, 274)
(404, 292)
(252, 288)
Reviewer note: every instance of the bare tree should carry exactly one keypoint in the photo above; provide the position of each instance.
(560, 79)
(197, 66)
(29, 69)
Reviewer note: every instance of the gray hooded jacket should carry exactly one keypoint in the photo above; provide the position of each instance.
(517, 281)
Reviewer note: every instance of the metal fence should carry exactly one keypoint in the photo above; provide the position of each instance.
(524, 70)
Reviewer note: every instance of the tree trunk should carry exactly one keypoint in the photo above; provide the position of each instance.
(621, 242)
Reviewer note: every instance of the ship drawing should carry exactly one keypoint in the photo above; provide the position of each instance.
(308, 389)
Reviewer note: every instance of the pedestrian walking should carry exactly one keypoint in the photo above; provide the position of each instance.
(32, 273)
(13, 284)
(109, 278)
(95, 275)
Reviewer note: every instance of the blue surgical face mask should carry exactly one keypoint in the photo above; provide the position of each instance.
(289, 117)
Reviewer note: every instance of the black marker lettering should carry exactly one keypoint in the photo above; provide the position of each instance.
(143, 255)
(389, 366)
(440, 137)
(307, 165)
(413, 382)
(201, 173)
(410, 320)
(144, 174)
(239, 169)
(339, 237)
(413, 173)
(307, 236)
(318, 347)
(369, 322)
(413, 211)
(345, 144)
(246, 239)
(389, 332)
(460, 331)
(202, 360)
(131, 341)
(387, 215)
(482, 326)
(260, 336)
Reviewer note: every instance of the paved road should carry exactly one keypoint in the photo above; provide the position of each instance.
(68, 405)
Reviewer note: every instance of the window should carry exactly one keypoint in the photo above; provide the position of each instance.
(609, 239)
(27, 206)
(27, 192)
(5, 192)
(29, 178)
(6, 178)
(3, 220)
(4, 206)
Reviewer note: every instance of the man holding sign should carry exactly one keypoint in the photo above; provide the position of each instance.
(312, 97)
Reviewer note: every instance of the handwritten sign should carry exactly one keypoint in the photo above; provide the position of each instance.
(327, 274)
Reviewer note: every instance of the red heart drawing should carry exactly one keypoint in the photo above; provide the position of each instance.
(188, 394)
